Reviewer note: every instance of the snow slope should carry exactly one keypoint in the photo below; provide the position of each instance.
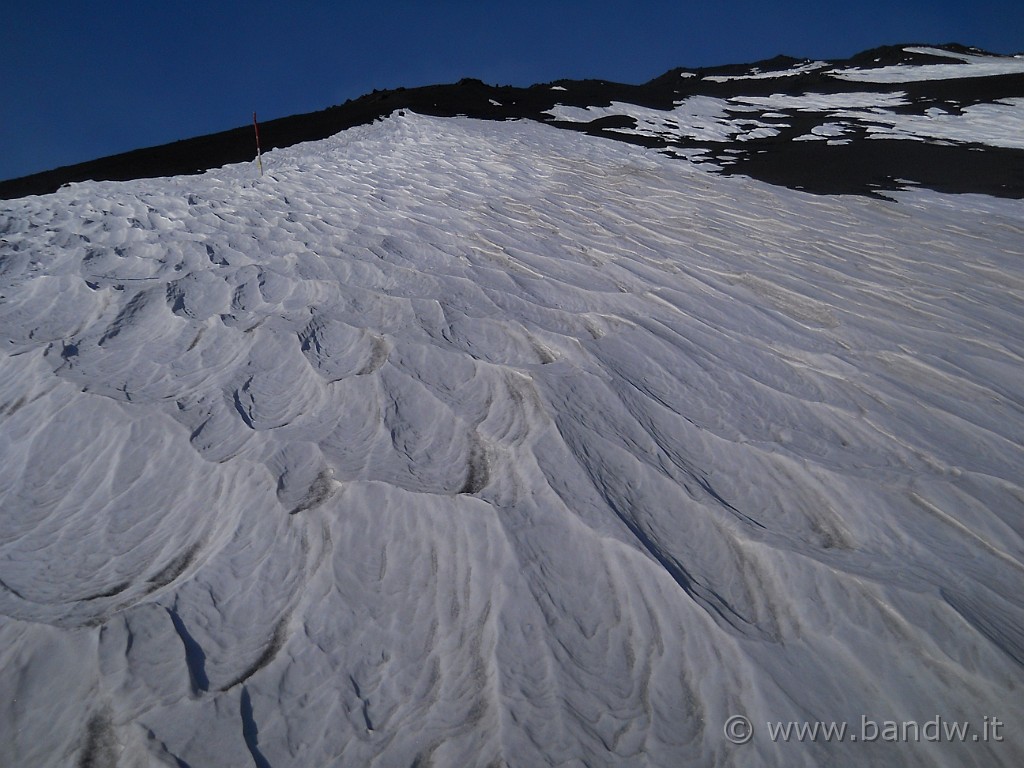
(452, 442)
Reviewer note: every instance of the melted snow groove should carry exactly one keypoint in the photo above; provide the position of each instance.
(177, 566)
(276, 643)
(477, 473)
(112, 592)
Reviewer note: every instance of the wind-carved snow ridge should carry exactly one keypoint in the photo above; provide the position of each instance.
(462, 443)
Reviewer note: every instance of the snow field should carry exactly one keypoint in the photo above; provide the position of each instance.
(458, 442)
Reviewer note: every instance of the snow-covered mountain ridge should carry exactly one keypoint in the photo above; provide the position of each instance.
(464, 442)
(945, 117)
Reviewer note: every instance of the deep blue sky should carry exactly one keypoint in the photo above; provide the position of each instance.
(79, 80)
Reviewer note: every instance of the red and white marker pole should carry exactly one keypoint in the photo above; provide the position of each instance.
(256, 128)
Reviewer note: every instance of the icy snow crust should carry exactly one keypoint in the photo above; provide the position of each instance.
(452, 442)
